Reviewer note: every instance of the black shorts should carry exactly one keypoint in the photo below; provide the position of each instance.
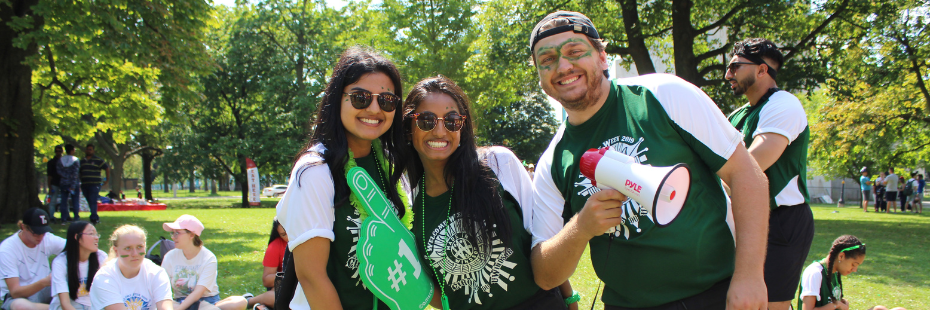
(866, 195)
(891, 196)
(791, 232)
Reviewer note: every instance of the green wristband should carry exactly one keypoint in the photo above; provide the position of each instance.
(573, 299)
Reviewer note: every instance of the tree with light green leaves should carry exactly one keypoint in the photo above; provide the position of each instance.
(68, 59)
(874, 110)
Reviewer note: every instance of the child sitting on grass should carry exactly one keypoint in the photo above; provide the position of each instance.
(821, 283)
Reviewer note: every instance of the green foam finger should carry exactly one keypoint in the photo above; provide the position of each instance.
(388, 260)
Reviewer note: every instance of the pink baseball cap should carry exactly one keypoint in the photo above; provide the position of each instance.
(186, 221)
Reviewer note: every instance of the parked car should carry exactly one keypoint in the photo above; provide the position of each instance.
(274, 191)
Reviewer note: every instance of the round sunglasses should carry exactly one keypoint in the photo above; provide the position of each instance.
(361, 99)
(426, 121)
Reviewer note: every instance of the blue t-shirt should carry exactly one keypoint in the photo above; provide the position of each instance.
(865, 186)
(920, 185)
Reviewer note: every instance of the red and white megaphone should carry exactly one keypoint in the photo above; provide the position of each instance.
(661, 190)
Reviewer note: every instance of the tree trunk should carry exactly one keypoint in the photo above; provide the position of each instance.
(243, 179)
(635, 41)
(213, 188)
(116, 174)
(191, 183)
(165, 180)
(147, 177)
(18, 190)
(683, 42)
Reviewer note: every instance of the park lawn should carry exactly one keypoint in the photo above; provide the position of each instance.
(893, 273)
(184, 193)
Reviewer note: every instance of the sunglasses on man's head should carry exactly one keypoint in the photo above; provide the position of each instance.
(426, 121)
(361, 99)
(733, 66)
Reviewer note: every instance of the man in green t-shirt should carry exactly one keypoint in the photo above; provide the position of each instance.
(774, 128)
(711, 255)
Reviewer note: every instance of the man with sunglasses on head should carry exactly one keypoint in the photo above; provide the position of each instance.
(24, 263)
(711, 255)
(774, 128)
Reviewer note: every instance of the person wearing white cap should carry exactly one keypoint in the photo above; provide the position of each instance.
(192, 269)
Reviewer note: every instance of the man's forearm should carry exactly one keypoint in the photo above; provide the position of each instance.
(555, 260)
(24, 291)
(751, 217)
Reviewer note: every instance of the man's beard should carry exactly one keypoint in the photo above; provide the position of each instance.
(585, 100)
(741, 87)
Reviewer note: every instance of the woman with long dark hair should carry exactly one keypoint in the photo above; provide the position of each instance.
(472, 208)
(354, 127)
(273, 262)
(822, 284)
(73, 271)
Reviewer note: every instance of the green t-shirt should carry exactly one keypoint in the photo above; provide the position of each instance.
(492, 274)
(306, 211)
(780, 113)
(831, 286)
(660, 120)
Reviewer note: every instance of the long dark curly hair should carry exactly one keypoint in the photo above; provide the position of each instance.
(327, 128)
(475, 185)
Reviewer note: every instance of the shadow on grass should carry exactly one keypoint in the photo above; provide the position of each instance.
(896, 250)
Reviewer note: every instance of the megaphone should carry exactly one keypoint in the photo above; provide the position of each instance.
(661, 190)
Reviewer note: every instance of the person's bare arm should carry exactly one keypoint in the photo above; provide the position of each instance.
(166, 304)
(64, 298)
(810, 301)
(118, 306)
(566, 290)
(311, 273)
(767, 148)
(24, 291)
(554, 260)
(751, 216)
(193, 297)
(268, 275)
(107, 180)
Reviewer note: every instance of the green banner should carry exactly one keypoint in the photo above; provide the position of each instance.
(387, 254)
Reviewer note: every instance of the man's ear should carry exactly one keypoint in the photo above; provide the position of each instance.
(603, 58)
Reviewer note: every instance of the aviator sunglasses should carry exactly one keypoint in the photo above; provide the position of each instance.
(361, 99)
(426, 121)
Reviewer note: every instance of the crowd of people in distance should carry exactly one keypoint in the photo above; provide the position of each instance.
(889, 189)
(83, 277)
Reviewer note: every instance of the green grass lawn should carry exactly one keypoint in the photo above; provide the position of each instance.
(186, 193)
(894, 273)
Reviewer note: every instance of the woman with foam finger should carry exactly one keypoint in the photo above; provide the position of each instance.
(354, 127)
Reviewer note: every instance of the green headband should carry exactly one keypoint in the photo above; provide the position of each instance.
(852, 248)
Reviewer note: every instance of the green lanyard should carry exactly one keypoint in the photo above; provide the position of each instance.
(442, 286)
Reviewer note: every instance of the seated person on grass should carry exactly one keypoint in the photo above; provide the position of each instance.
(24, 265)
(821, 283)
(192, 269)
(73, 270)
(128, 280)
(273, 263)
